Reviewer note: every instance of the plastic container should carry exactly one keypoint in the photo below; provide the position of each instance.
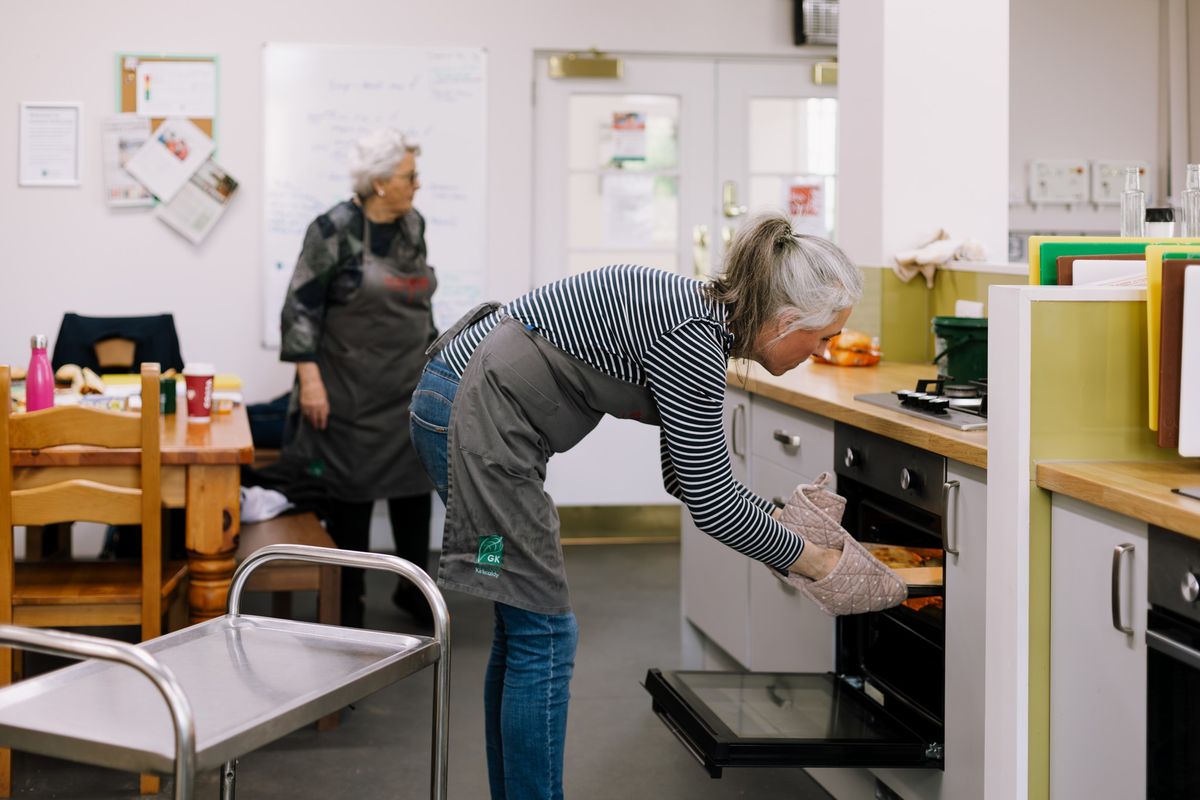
(961, 346)
(1160, 223)
(39, 378)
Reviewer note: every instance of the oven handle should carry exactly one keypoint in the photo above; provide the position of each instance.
(1118, 553)
(1173, 649)
(947, 508)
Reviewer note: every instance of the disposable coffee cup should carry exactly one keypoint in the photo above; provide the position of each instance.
(198, 380)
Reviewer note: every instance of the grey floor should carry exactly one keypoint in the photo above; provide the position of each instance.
(626, 598)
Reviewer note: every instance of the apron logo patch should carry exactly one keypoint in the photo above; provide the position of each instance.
(490, 558)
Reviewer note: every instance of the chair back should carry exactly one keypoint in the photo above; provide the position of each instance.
(117, 344)
(90, 498)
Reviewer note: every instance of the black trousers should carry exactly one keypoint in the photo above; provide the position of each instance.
(349, 524)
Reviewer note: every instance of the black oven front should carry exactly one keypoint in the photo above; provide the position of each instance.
(884, 704)
(1173, 668)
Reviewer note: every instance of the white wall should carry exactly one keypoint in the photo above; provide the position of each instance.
(66, 251)
(1084, 84)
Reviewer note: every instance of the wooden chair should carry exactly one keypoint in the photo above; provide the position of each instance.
(73, 593)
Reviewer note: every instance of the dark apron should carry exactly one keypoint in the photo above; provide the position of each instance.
(371, 354)
(520, 400)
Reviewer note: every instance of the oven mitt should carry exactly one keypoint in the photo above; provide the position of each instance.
(815, 513)
(859, 582)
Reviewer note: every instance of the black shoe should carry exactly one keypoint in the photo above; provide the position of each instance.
(409, 598)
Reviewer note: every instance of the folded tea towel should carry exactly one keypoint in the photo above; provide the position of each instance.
(259, 503)
(928, 257)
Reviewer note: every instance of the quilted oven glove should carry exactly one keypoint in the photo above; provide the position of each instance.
(860, 582)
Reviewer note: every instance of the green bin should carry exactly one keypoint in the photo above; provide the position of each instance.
(961, 347)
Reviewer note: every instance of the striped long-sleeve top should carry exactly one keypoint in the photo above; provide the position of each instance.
(658, 330)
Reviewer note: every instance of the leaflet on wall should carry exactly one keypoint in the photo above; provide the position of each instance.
(177, 89)
(629, 136)
(123, 135)
(172, 154)
(806, 205)
(197, 206)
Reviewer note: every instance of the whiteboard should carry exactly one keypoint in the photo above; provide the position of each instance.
(318, 100)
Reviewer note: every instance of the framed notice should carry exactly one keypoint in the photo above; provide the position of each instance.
(51, 151)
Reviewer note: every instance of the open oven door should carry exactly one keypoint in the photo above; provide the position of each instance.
(763, 719)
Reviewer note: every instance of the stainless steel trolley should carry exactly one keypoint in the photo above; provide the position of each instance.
(230, 685)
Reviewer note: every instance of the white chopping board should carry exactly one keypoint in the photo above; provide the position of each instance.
(1189, 378)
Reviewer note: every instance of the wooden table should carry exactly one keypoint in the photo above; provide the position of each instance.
(201, 473)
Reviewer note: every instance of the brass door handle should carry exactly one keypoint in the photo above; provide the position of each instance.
(729, 203)
(700, 260)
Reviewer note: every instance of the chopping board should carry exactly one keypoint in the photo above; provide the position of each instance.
(1170, 349)
(1189, 373)
(1154, 259)
(1066, 264)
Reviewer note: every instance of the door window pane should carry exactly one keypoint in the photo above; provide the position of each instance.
(793, 160)
(622, 180)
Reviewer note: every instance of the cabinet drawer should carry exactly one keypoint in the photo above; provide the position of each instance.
(716, 594)
(788, 633)
(790, 438)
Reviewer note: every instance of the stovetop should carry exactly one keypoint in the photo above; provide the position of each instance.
(960, 406)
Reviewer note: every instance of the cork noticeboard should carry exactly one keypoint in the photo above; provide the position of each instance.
(127, 86)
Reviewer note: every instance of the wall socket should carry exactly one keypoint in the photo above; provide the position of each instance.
(1108, 181)
(1060, 181)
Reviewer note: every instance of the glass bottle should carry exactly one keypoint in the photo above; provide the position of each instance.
(1133, 204)
(1190, 200)
(39, 379)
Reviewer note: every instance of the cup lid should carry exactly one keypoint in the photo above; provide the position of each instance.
(198, 368)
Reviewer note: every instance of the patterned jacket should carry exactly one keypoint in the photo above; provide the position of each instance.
(328, 272)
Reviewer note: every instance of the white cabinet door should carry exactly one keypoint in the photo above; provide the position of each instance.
(965, 576)
(715, 579)
(788, 633)
(1097, 673)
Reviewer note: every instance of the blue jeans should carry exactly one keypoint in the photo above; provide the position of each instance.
(526, 687)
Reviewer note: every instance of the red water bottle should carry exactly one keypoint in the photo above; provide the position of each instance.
(39, 379)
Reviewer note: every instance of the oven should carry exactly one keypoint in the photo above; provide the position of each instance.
(1173, 668)
(883, 706)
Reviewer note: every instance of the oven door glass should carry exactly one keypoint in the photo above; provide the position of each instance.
(1172, 708)
(760, 719)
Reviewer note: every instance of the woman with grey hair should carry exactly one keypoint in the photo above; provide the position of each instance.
(356, 321)
(510, 385)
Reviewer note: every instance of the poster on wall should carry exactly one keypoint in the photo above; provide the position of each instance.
(201, 201)
(171, 155)
(122, 135)
(628, 202)
(176, 88)
(806, 205)
(50, 151)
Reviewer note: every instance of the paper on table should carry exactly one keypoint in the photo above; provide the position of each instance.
(122, 136)
(201, 201)
(170, 156)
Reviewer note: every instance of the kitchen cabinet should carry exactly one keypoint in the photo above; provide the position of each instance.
(790, 438)
(1098, 580)
(715, 578)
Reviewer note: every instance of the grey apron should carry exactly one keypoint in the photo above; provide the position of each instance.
(520, 400)
(371, 354)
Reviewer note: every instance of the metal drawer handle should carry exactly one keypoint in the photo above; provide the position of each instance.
(1119, 551)
(733, 425)
(948, 507)
(787, 439)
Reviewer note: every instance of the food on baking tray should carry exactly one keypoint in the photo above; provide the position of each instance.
(905, 557)
(850, 349)
(933, 607)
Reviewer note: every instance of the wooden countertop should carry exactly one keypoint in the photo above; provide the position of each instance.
(829, 392)
(1139, 489)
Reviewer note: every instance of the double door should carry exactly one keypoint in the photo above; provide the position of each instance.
(659, 168)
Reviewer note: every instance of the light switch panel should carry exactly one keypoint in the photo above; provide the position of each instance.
(1062, 181)
(1108, 181)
